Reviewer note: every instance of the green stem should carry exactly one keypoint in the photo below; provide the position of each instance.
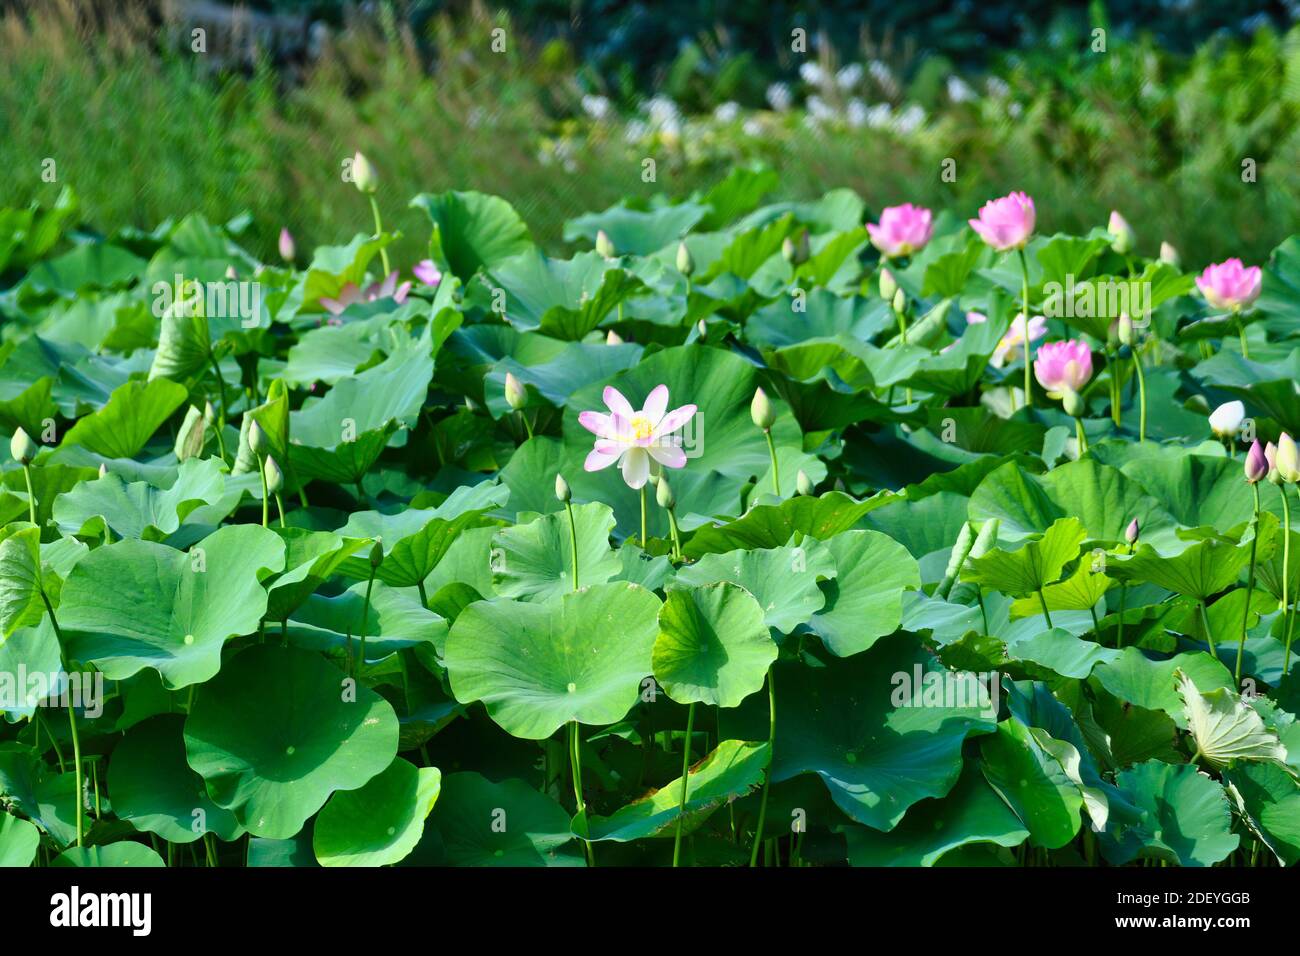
(528, 426)
(686, 767)
(279, 505)
(72, 724)
(979, 594)
(225, 412)
(643, 521)
(575, 766)
(1241, 332)
(1205, 622)
(676, 535)
(266, 495)
(573, 541)
(767, 769)
(1116, 393)
(31, 495)
(424, 596)
(1286, 572)
(1043, 601)
(365, 620)
(776, 471)
(1142, 397)
(1024, 301)
(1250, 588)
(379, 231)
(1081, 437)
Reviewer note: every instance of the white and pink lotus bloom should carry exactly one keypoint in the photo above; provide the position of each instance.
(636, 438)
(1013, 340)
(1230, 285)
(427, 272)
(1006, 223)
(1063, 367)
(350, 294)
(902, 231)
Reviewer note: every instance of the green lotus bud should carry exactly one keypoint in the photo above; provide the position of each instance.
(1169, 255)
(685, 261)
(613, 338)
(363, 174)
(103, 469)
(22, 447)
(190, 439)
(803, 484)
(604, 245)
(1073, 403)
(516, 396)
(562, 491)
(1122, 232)
(888, 287)
(664, 494)
(274, 477)
(257, 440)
(1288, 459)
(900, 301)
(377, 553)
(761, 410)
(209, 413)
(788, 251)
(1127, 334)
(703, 328)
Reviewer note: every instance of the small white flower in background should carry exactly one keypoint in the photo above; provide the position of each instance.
(727, 112)
(636, 131)
(1014, 110)
(811, 73)
(959, 91)
(878, 116)
(849, 76)
(881, 73)
(1227, 418)
(662, 111)
(997, 88)
(597, 107)
(753, 127)
(819, 109)
(910, 119)
(856, 113)
(779, 97)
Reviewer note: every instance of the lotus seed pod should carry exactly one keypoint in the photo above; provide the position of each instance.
(613, 338)
(516, 396)
(1123, 234)
(22, 447)
(604, 245)
(888, 287)
(562, 490)
(1132, 531)
(274, 477)
(685, 261)
(803, 484)
(1169, 255)
(664, 494)
(761, 410)
(257, 440)
(377, 553)
(363, 174)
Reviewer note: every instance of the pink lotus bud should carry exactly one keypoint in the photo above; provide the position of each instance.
(1006, 223)
(427, 272)
(1063, 366)
(902, 230)
(1270, 456)
(287, 248)
(1229, 285)
(1122, 232)
(1132, 531)
(1257, 464)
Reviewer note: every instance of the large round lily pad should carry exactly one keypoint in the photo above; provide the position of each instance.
(380, 823)
(713, 646)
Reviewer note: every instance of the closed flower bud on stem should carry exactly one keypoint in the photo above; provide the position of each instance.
(257, 440)
(1256, 463)
(274, 477)
(516, 396)
(363, 174)
(562, 491)
(803, 483)
(22, 448)
(685, 261)
(664, 494)
(377, 553)
(761, 410)
(604, 245)
(1132, 531)
(888, 287)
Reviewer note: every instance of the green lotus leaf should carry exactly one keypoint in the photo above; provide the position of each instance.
(380, 823)
(1062, 652)
(728, 773)
(635, 232)
(1180, 816)
(134, 412)
(1153, 684)
(713, 645)
(115, 855)
(279, 730)
(482, 823)
(536, 666)
(1033, 783)
(1199, 571)
(20, 578)
(310, 559)
(1267, 386)
(136, 604)
(971, 813)
(472, 230)
(1079, 592)
(47, 798)
(533, 561)
(883, 729)
(772, 525)
(19, 841)
(36, 651)
(1200, 491)
(1225, 728)
(864, 601)
(1033, 566)
(1268, 798)
(92, 264)
(184, 340)
(564, 298)
(396, 620)
(783, 580)
(153, 788)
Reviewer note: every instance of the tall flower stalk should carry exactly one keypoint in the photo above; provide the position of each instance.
(767, 768)
(1256, 468)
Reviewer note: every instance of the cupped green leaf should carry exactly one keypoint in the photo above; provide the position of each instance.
(482, 823)
(380, 823)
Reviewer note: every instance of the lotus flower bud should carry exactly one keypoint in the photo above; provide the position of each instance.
(685, 261)
(788, 251)
(1132, 531)
(209, 413)
(231, 273)
(803, 484)
(900, 301)
(613, 338)
(1127, 334)
(287, 247)
(702, 328)
(761, 410)
(1122, 232)
(1288, 459)
(604, 245)
(103, 469)
(516, 396)
(664, 494)
(257, 440)
(22, 447)
(888, 287)
(562, 491)
(274, 477)
(377, 553)
(1073, 403)
(1226, 419)
(1169, 255)
(1257, 466)
(363, 174)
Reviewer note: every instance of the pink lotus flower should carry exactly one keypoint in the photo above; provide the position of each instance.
(1063, 366)
(427, 272)
(350, 294)
(287, 247)
(1006, 223)
(1258, 464)
(1013, 340)
(635, 437)
(902, 231)
(1229, 285)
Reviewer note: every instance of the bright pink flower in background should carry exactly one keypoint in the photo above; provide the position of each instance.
(350, 294)
(636, 437)
(1063, 366)
(427, 272)
(902, 230)
(1229, 285)
(1006, 223)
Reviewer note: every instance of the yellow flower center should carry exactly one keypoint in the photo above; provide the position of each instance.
(642, 427)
